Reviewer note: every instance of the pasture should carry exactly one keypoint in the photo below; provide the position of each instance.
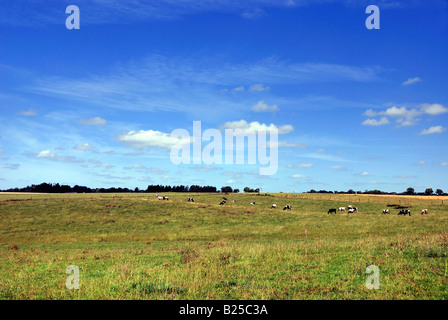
(134, 246)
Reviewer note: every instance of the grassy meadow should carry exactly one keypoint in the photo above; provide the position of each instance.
(133, 246)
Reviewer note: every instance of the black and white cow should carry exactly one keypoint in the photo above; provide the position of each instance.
(404, 212)
(386, 211)
(159, 197)
(425, 211)
(166, 198)
(233, 201)
(331, 211)
(274, 206)
(287, 207)
(190, 200)
(224, 198)
(222, 202)
(252, 203)
(341, 209)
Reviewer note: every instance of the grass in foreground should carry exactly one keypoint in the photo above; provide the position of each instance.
(137, 247)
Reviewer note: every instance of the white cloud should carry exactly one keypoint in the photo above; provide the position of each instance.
(444, 164)
(298, 175)
(99, 164)
(149, 138)
(238, 89)
(253, 14)
(432, 130)
(256, 126)
(373, 122)
(230, 181)
(404, 176)
(433, 109)
(364, 174)
(259, 87)
(421, 163)
(338, 167)
(96, 121)
(301, 165)
(45, 154)
(404, 116)
(28, 113)
(411, 81)
(285, 144)
(261, 106)
(84, 146)
(319, 150)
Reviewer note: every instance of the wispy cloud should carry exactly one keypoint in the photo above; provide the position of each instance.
(47, 154)
(373, 122)
(28, 113)
(253, 14)
(411, 81)
(301, 165)
(432, 130)
(149, 84)
(96, 121)
(261, 106)
(258, 87)
(84, 146)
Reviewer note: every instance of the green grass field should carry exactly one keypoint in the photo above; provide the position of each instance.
(134, 246)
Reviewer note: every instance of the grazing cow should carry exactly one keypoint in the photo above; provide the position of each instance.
(224, 198)
(350, 211)
(404, 212)
(159, 197)
(287, 207)
(190, 200)
(425, 211)
(222, 202)
(252, 203)
(233, 201)
(341, 209)
(350, 207)
(331, 211)
(166, 198)
(274, 206)
(386, 211)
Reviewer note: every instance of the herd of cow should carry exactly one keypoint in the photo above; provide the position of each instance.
(350, 209)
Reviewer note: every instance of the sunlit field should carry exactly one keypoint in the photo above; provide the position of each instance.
(134, 246)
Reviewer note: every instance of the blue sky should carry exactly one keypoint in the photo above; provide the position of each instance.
(366, 109)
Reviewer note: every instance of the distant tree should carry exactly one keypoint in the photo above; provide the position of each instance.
(247, 189)
(226, 189)
(236, 190)
(439, 192)
(410, 191)
(257, 190)
(350, 191)
(312, 191)
(429, 191)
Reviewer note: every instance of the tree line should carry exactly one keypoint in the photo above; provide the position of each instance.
(61, 188)
(409, 191)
